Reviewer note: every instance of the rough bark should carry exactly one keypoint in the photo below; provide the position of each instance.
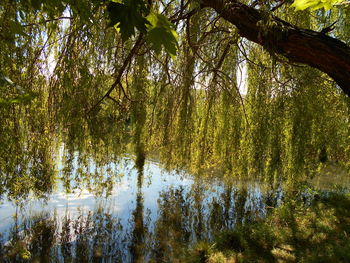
(298, 45)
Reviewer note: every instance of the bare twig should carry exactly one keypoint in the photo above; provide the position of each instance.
(117, 82)
(49, 20)
(278, 5)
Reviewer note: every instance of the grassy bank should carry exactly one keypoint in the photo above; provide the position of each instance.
(294, 232)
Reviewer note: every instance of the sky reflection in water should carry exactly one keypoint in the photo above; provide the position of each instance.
(148, 217)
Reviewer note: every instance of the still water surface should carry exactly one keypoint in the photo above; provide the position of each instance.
(148, 217)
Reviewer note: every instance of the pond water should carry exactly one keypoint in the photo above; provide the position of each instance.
(147, 217)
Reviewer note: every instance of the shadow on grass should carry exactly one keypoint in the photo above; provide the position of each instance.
(293, 232)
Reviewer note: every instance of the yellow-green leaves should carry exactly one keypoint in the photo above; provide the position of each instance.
(315, 4)
(161, 33)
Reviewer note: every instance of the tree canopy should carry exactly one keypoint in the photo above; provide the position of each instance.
(249, 88)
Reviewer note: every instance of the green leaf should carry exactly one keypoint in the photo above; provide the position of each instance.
(17, 28)
(36, 4)
(315, 4)
(127, 16)
(5, 81)
(21, 96)
(161, 33)
(20, 99)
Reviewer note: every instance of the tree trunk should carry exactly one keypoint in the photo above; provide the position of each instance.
(298, 45)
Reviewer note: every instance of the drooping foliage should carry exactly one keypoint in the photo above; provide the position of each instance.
(76, 91)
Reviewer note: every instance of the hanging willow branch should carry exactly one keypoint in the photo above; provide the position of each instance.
(117, 82)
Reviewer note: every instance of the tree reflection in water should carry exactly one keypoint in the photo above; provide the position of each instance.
(183, 216)
(137, 244)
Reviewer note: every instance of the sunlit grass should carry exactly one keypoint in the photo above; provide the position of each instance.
(293, 232)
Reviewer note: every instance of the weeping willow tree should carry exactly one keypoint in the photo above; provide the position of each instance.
(177, 81)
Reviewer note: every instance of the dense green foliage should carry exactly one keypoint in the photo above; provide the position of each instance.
(59, 58)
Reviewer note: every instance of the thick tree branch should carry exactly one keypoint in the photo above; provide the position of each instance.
(298, 45)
